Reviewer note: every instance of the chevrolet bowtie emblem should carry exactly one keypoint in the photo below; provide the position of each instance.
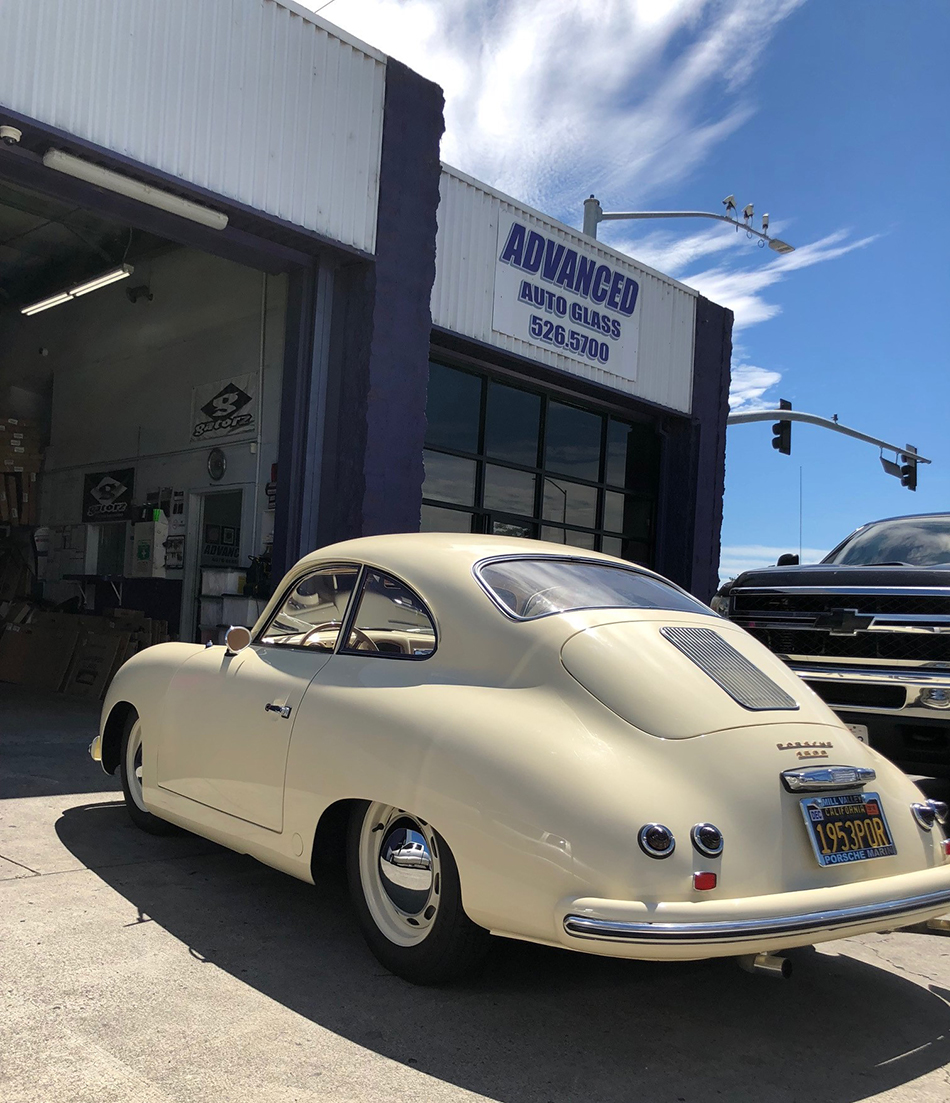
(844, 622)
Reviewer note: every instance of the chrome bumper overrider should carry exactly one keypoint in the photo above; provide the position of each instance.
(741, 930)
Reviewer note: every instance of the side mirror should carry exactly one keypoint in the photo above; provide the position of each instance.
(787, 560)
(237, 638)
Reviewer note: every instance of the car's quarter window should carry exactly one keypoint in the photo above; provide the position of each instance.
(530, 588)
(390, 620)
(313, 611)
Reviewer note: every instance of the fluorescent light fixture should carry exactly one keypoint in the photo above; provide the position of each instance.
(45, 304)
(120, 273)
(780, 246)
(134, 189)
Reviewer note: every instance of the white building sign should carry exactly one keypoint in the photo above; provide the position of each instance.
(227, 408)
(558, 297)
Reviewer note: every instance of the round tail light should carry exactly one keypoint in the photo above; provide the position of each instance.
(656, 840)
(925, 816)
(707, 838)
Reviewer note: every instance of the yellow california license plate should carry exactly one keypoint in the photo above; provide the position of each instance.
(847, 827)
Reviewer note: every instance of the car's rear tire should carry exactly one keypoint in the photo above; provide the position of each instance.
(130, 773)
(406, 891)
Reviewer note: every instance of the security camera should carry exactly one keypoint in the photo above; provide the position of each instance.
(10, 136)
(729, 202)
(748, 210)
(765, 222)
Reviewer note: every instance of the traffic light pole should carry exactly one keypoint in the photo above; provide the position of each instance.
(907, 454)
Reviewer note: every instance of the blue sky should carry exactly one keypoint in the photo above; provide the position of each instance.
(829, 114)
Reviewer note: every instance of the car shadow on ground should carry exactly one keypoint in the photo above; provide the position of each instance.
(538, 1025)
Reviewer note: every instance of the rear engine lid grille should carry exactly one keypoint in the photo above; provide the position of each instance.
(730, 670)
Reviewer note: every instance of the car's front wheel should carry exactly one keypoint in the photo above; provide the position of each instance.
(406, 891)
(130, 773)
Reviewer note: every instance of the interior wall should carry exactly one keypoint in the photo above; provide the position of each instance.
(121, 377)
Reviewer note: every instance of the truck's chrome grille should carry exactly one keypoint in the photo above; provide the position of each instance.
(730, 670)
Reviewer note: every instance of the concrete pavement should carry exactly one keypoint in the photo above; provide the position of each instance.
(169, 969)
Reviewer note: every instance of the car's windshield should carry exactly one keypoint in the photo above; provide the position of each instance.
(530, 588)
(917, 541)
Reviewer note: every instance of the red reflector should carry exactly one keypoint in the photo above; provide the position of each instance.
(945, 843)
(707, 880)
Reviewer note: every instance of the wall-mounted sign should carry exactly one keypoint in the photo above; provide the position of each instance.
(227, 408)
(107, 496)
(569, 300)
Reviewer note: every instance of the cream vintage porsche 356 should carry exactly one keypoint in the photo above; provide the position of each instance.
(505, 737)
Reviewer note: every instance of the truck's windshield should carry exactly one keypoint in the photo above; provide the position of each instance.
(530, 588)
(914, 541)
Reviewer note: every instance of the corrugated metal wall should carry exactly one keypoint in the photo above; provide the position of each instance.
(463, 294)
(244, 97)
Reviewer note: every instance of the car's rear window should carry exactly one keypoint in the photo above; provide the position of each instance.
(530, 588)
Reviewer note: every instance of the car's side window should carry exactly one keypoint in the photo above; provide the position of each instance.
(312, 613)
(390, 620)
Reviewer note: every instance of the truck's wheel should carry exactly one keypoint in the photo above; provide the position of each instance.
(130, 772)
(405, 888)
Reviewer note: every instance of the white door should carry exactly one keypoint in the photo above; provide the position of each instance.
(229, 718)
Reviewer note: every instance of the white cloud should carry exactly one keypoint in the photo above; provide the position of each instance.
(736, 558)
(551, 100)
(748, 386)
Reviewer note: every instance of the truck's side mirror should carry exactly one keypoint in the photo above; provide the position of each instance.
(787, 560)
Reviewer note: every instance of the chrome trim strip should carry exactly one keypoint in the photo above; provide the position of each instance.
(740, 930)
(884, 591)
(813, 779)
(904, 677)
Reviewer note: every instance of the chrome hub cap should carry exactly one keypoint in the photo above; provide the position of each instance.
(133, 766)
(400, 873)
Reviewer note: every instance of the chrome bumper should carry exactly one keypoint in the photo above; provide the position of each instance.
(894, 912)
(926, 691)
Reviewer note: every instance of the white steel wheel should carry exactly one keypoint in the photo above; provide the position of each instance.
(400, 873)
(130, 774)
(133, 765)
(405, 888)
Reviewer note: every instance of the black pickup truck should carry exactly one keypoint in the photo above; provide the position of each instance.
(868, 629)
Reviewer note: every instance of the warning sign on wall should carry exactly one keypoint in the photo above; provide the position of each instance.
(227, 408)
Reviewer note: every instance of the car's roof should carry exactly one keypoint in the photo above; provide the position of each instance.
(408, 552)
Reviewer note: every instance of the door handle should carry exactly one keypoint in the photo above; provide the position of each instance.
(284, 710)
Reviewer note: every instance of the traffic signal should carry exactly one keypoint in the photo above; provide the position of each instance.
(909, 470)
(782, 431)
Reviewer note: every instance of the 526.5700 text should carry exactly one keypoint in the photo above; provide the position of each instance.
(579, 343)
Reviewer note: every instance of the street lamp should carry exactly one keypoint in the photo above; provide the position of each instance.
(594, 214)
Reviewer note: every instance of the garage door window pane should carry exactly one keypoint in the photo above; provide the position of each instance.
(313, 611)
(572, 441)
(570, 503)
(511, 425)
(453, 408)
(558, 535)
(435, 519)
(449, 478)
(508, 490)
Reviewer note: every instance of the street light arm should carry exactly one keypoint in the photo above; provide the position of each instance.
(821, 422)
(594, 215)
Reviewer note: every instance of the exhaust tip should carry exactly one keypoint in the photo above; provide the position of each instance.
(769, 965)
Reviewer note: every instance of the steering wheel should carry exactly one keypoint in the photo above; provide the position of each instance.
(364, 643)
